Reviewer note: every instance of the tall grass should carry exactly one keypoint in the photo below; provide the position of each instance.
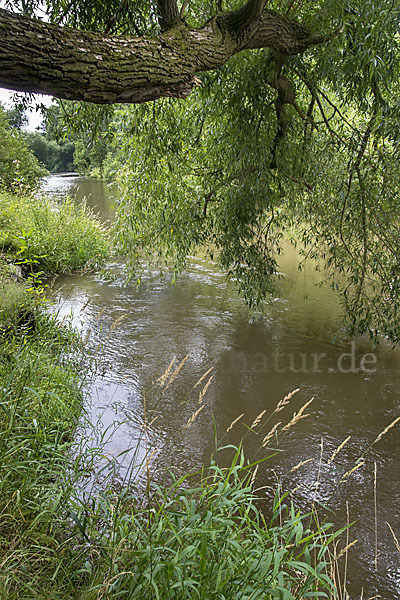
(40, 401)
(41, 467)
(58, 237)
(206, 540)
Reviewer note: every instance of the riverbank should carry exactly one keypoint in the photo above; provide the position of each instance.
(41, 365)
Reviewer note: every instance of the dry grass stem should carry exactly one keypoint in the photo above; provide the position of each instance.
(334, 572)
(149, 459)
(84, 307)
(346, 549)
(204, 390)
(300, 464)
(101, 313)
(161, 380)
(317, 483)
(194, 415)
(282, 403)
(385, 431)
(202, 378)
(270, 434)
(346, 475)
(234, 422)
(253, 478)
(396, 541)
(298, 416)
(153, 420)
(347, 543)
(116, 323)
(178, 368)
(258, 419)
(338, 449)
(106, 584)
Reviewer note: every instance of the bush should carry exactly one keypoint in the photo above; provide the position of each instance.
(53, 238)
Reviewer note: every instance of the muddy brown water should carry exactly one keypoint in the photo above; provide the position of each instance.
(298, 343)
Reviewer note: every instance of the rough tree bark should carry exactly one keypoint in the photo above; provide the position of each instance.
(67, 63)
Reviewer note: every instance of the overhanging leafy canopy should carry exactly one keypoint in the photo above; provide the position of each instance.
(278, 138)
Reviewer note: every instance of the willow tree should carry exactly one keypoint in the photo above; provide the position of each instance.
(272, 119)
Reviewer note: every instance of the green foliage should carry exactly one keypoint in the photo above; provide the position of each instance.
(17, 117)
(216, 170)
(84, 130)
(40, 400)
(89, 159)
(233, 170)
(74, 137)
(55, 157)
(20, 171)
(49, 237)
(206, 541)
(16, 304)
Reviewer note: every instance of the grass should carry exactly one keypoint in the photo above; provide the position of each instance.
(59, 238)
(40, 402)
(40, 391)
(207, 540)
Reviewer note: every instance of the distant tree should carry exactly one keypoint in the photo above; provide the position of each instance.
(56, 158)
(17, 117)
(20, 171)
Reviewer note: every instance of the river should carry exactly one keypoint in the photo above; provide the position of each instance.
(256, 361)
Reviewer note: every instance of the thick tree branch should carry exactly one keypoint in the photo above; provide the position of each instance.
(246, 16)
(169, 13)
(77, 65)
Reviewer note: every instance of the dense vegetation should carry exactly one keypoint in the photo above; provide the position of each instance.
(57, 146)
(296, 142)
(58, 239)
(62, 148)
(19, 169)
